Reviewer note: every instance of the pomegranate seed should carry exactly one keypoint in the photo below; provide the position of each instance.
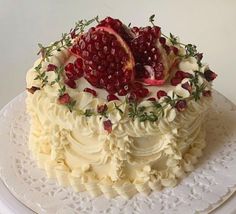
(156, 31)
(64, 99)
(162, 40)
(91, 91)
(51, 67)
(32, 89)
(199, 56)
(69, 67)
(167, 48)
(111, 97)
(181, 105)
(174, 49)
(102, 108)
(137, 85)
(71, 83)
(132, 97)
(175, 81)
(210, 75)
(161, 93)
(153, 99)
(111, 88)
(107, 124)
(181, 75)
(78, 63)
(142, 92)
(187, 86)
(122, 92)
(206, 93)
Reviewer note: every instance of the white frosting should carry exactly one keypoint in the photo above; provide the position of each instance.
(135, 156)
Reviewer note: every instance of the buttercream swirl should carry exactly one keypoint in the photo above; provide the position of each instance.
(136, 156)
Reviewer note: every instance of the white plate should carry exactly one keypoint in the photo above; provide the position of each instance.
(213, 181)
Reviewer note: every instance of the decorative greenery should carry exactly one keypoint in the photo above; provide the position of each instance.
(134, 110)
(191, 50)
(65, 42)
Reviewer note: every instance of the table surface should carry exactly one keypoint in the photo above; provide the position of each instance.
(23, 24)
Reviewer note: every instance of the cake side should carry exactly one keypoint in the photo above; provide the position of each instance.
(135, 157)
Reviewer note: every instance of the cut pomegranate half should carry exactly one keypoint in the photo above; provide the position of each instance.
(154, 59)
(108, 60)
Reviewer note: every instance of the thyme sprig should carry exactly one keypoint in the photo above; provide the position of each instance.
(191, 50)
(66, 40)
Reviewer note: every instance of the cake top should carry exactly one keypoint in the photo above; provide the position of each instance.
(139, 67)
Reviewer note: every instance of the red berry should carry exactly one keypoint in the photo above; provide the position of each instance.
(175, 81)
(107, 124)
(64, 99)
(153, 99)
(161, 93)
(181, 105)
(71, 83)
(210, 75)
(111, 97)
(51, 67)
(91, 91)
(206, 93)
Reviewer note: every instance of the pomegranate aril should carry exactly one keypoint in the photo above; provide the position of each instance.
(175, 81)
(206, 93)
(107, 124)
(199, 56)
(51, 67)
(111, 88)
(111, 97)
(102, 108)
(71, 83)
(132, 97)
(181, 75)
(137, 85)
(69, 67)
(161, 93)
(187, 86)
(122, 92)
(210, 75)
(64, 99)
(181, 105)
(142, 92)
(175, 50)
(91, 91)
(162, 40)
(153, 99)
(32, 89)
(78, 63)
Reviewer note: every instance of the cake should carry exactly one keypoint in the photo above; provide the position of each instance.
(116, 109)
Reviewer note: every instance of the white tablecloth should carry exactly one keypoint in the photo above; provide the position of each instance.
(208, 24)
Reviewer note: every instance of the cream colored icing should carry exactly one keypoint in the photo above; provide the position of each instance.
(134, 157)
